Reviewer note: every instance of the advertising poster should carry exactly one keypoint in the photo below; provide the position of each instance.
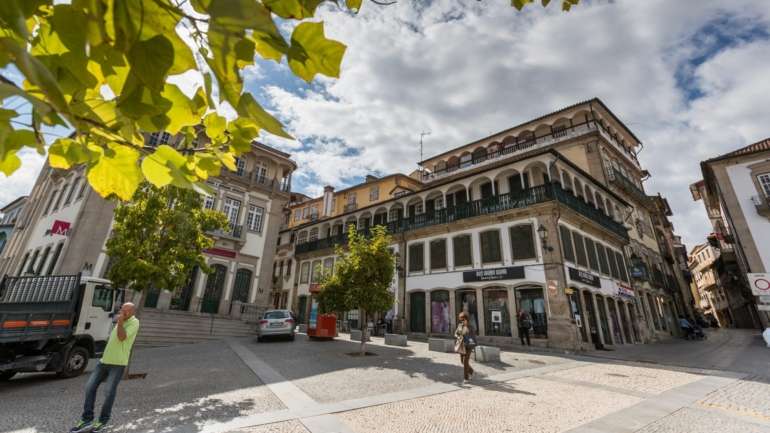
(313, 322)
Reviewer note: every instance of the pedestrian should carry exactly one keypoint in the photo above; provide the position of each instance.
(389, 320)
(110, 369)
(465, 342)
(525, 322)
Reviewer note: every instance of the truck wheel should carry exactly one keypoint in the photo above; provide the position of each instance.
(6, 375)
(75, 363)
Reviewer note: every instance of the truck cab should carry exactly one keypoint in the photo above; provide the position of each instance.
(54, 323)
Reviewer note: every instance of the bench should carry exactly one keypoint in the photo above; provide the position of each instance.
(395, 340)
(486, 354)
(441, 345)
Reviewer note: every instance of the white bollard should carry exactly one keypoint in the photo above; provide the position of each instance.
(766, 336)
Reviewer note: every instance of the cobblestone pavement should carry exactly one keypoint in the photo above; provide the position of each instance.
(240, 386)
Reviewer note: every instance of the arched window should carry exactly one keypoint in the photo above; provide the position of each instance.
(313, 234)
(480, 154)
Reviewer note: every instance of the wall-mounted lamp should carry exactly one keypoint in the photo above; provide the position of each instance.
(399, 268)
(542, 232)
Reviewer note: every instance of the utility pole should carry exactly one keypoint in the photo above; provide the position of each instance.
(422, 134)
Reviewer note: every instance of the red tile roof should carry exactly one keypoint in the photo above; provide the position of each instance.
(751, 148)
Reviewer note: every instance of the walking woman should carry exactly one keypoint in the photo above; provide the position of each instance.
(465, 341)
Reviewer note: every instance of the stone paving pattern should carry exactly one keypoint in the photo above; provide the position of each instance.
(690, 420)
(292, 426)
(749, 397)
(635, 378)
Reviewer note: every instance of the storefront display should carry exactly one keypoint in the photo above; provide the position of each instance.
(466, 302)
(496, 311)
(439, 312)
(531, 300)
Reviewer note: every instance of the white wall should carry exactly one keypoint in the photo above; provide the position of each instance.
(740, 178)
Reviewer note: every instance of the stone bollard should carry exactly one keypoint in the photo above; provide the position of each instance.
(356, 334)
(441, 345)
(395, 340)
(486, 354)
(164, 300)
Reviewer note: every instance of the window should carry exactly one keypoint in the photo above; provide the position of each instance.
(75, 184)
(231, 209)
(328, 265)
(54, 259)
(313, 234)
(315, 275)
(522, 242)
(613, 264)
(302, 237)
(394, 214)
(23, 264)
(580, 250)
(208, 202)
(416, 259)
(463, 254)
(158, 138)
(621, 266)
(297, 214)
(50, 201)
(240, 166)
(603, 264)
(305, 212)
(438, 203)
(40, 265)
(255, 217)
(374, 193)
(83, 187)
(260, 172)
(566, 244)
(438, 254)
(102, 297)
(593, 262)
(31, 267)
(490, 246)
(304, 272)
(351, 198)
(764, 182)
(288, 267)
(58, 199)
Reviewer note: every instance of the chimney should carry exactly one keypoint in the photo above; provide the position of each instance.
(328, 201)
(370, 178)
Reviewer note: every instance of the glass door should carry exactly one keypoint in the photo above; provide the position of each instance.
(417, 312)
(532, 301)
(497, 320)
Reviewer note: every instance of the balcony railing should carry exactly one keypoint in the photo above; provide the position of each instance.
(259, 180)
(350, 207)
(232, 231)
(528, 145)
(484, 206)
(625, 184)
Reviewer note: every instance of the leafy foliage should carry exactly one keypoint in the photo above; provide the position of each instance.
(566, 5)
(102, 68)
(361, 277)
(159, 237)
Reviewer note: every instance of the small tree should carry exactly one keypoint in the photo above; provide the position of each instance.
(361, 277)
(159, 237)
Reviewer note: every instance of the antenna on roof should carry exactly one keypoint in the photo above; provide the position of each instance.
(422, 134)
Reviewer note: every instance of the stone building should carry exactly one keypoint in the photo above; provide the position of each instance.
(67, 225)
(712, 295)
(549, 217)
(10, 219)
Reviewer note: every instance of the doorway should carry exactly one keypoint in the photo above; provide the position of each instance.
(417, 312)
(215, 284)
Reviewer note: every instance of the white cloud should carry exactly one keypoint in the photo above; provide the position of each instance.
(464, 70)
(21, 182)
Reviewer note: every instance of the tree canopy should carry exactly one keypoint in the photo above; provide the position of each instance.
(101, 68)
(158, 238)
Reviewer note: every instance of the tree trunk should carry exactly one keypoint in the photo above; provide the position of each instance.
(364, 332)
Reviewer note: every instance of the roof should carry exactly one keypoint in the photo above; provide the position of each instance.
(14, 203)
(271, 149)
(537, 119)
(759, 146)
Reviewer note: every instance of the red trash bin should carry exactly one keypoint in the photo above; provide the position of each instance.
(325, 327)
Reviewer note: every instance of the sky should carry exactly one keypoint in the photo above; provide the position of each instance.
(688, 77)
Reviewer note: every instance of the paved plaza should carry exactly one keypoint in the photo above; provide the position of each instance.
(304, 386)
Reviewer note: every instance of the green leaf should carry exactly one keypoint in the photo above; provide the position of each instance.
(215, 125)
(184, 111)
(151, 60)
(116, 170)
(242, 132)
(311, 53)
(66, 152)
(519, 4)
(354, 5)
(249, 108)
(294, 9)
(166, 166)
(10, 143)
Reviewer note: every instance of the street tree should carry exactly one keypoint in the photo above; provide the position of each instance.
(361, 278)
(159, 237)
(102, 69)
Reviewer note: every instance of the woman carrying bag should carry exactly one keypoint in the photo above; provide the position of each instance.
(465, 342)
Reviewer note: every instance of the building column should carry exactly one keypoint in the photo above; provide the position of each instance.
(452, 311)
(224, 303)
(610, 323)
(199, 287)
(428, 318)
(481, 311)
(512, 311)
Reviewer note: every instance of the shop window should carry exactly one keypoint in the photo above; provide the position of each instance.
(613, 264)
(603, 263)
(622, 270)
(580, 250)
(603, 317)
(589, 321)
(304, 272)
(439, 312)
(532, 301)
(490, 246)
(438, 254)
(577, 313)
(463, 254)
(593, 261)
(417, 311)
(315, 272)
(467, 303)
(416, 259)
(629, 338)
(522, 242)
(497, 320)
(566, 244)
(616, 332)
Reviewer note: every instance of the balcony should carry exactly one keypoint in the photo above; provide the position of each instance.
(524, 146)
(499, 203)
(232, 231)
(350, 207)
(762, 204)
(625, 184)
(259, 180)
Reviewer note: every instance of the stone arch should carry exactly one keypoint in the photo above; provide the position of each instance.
(509, 180)
(538, 173)
(477, 188)
(479, 154)
(466, 159)
(453, 163)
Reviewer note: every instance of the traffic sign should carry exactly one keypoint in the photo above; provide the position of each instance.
(759, 283)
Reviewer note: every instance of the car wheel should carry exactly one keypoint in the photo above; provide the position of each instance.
(291, 337)
(75, 363)
(6, 375)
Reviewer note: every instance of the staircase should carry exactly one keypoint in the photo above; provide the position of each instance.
(168, 328)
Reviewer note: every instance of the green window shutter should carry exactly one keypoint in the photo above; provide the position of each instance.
(522, 242)
(566, 244)
(462, 250)
(580, 250)
(490, 246)
(416, 252)
(438, 254)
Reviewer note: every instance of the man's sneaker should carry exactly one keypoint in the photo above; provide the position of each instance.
(98, 427)
(82, 427)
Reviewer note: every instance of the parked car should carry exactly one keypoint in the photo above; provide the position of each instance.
(277, 323)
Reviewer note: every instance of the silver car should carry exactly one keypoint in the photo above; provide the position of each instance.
(278, 323)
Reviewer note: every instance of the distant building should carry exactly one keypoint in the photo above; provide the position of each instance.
(708, 286)
(736, 193)
(11, 217)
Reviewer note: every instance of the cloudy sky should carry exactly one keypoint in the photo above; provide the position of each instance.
(689, 77)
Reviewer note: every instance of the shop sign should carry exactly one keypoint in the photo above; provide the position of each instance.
(765, 299)
(625, 291)
(763, 307)
(220, 252)
(759, 283)
(497, 317)
(509, 273)
(585, 277)
(59, 227)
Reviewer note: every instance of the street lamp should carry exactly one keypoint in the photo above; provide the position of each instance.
(542, 232)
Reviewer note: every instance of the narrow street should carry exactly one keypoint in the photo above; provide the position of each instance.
(721, 384)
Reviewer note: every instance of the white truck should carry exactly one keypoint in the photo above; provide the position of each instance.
(54, 323)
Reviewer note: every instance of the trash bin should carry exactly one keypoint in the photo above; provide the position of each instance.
(325, 327)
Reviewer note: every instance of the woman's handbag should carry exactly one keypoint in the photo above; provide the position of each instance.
(469, 342)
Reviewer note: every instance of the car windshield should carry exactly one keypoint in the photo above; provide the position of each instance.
(276, 315)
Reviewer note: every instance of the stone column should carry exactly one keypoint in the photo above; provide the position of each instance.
(199, 286)
(561, 330)
(597, 318)
(610, 323)
(452, 311)
(224, 303)
(481, 311)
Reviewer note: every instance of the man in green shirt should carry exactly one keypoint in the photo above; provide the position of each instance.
(110, 368)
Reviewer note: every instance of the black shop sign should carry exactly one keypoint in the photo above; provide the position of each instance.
(509, 273)
(584, 277)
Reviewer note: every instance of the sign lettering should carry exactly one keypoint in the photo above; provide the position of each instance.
(510, 273)
(584, 277)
